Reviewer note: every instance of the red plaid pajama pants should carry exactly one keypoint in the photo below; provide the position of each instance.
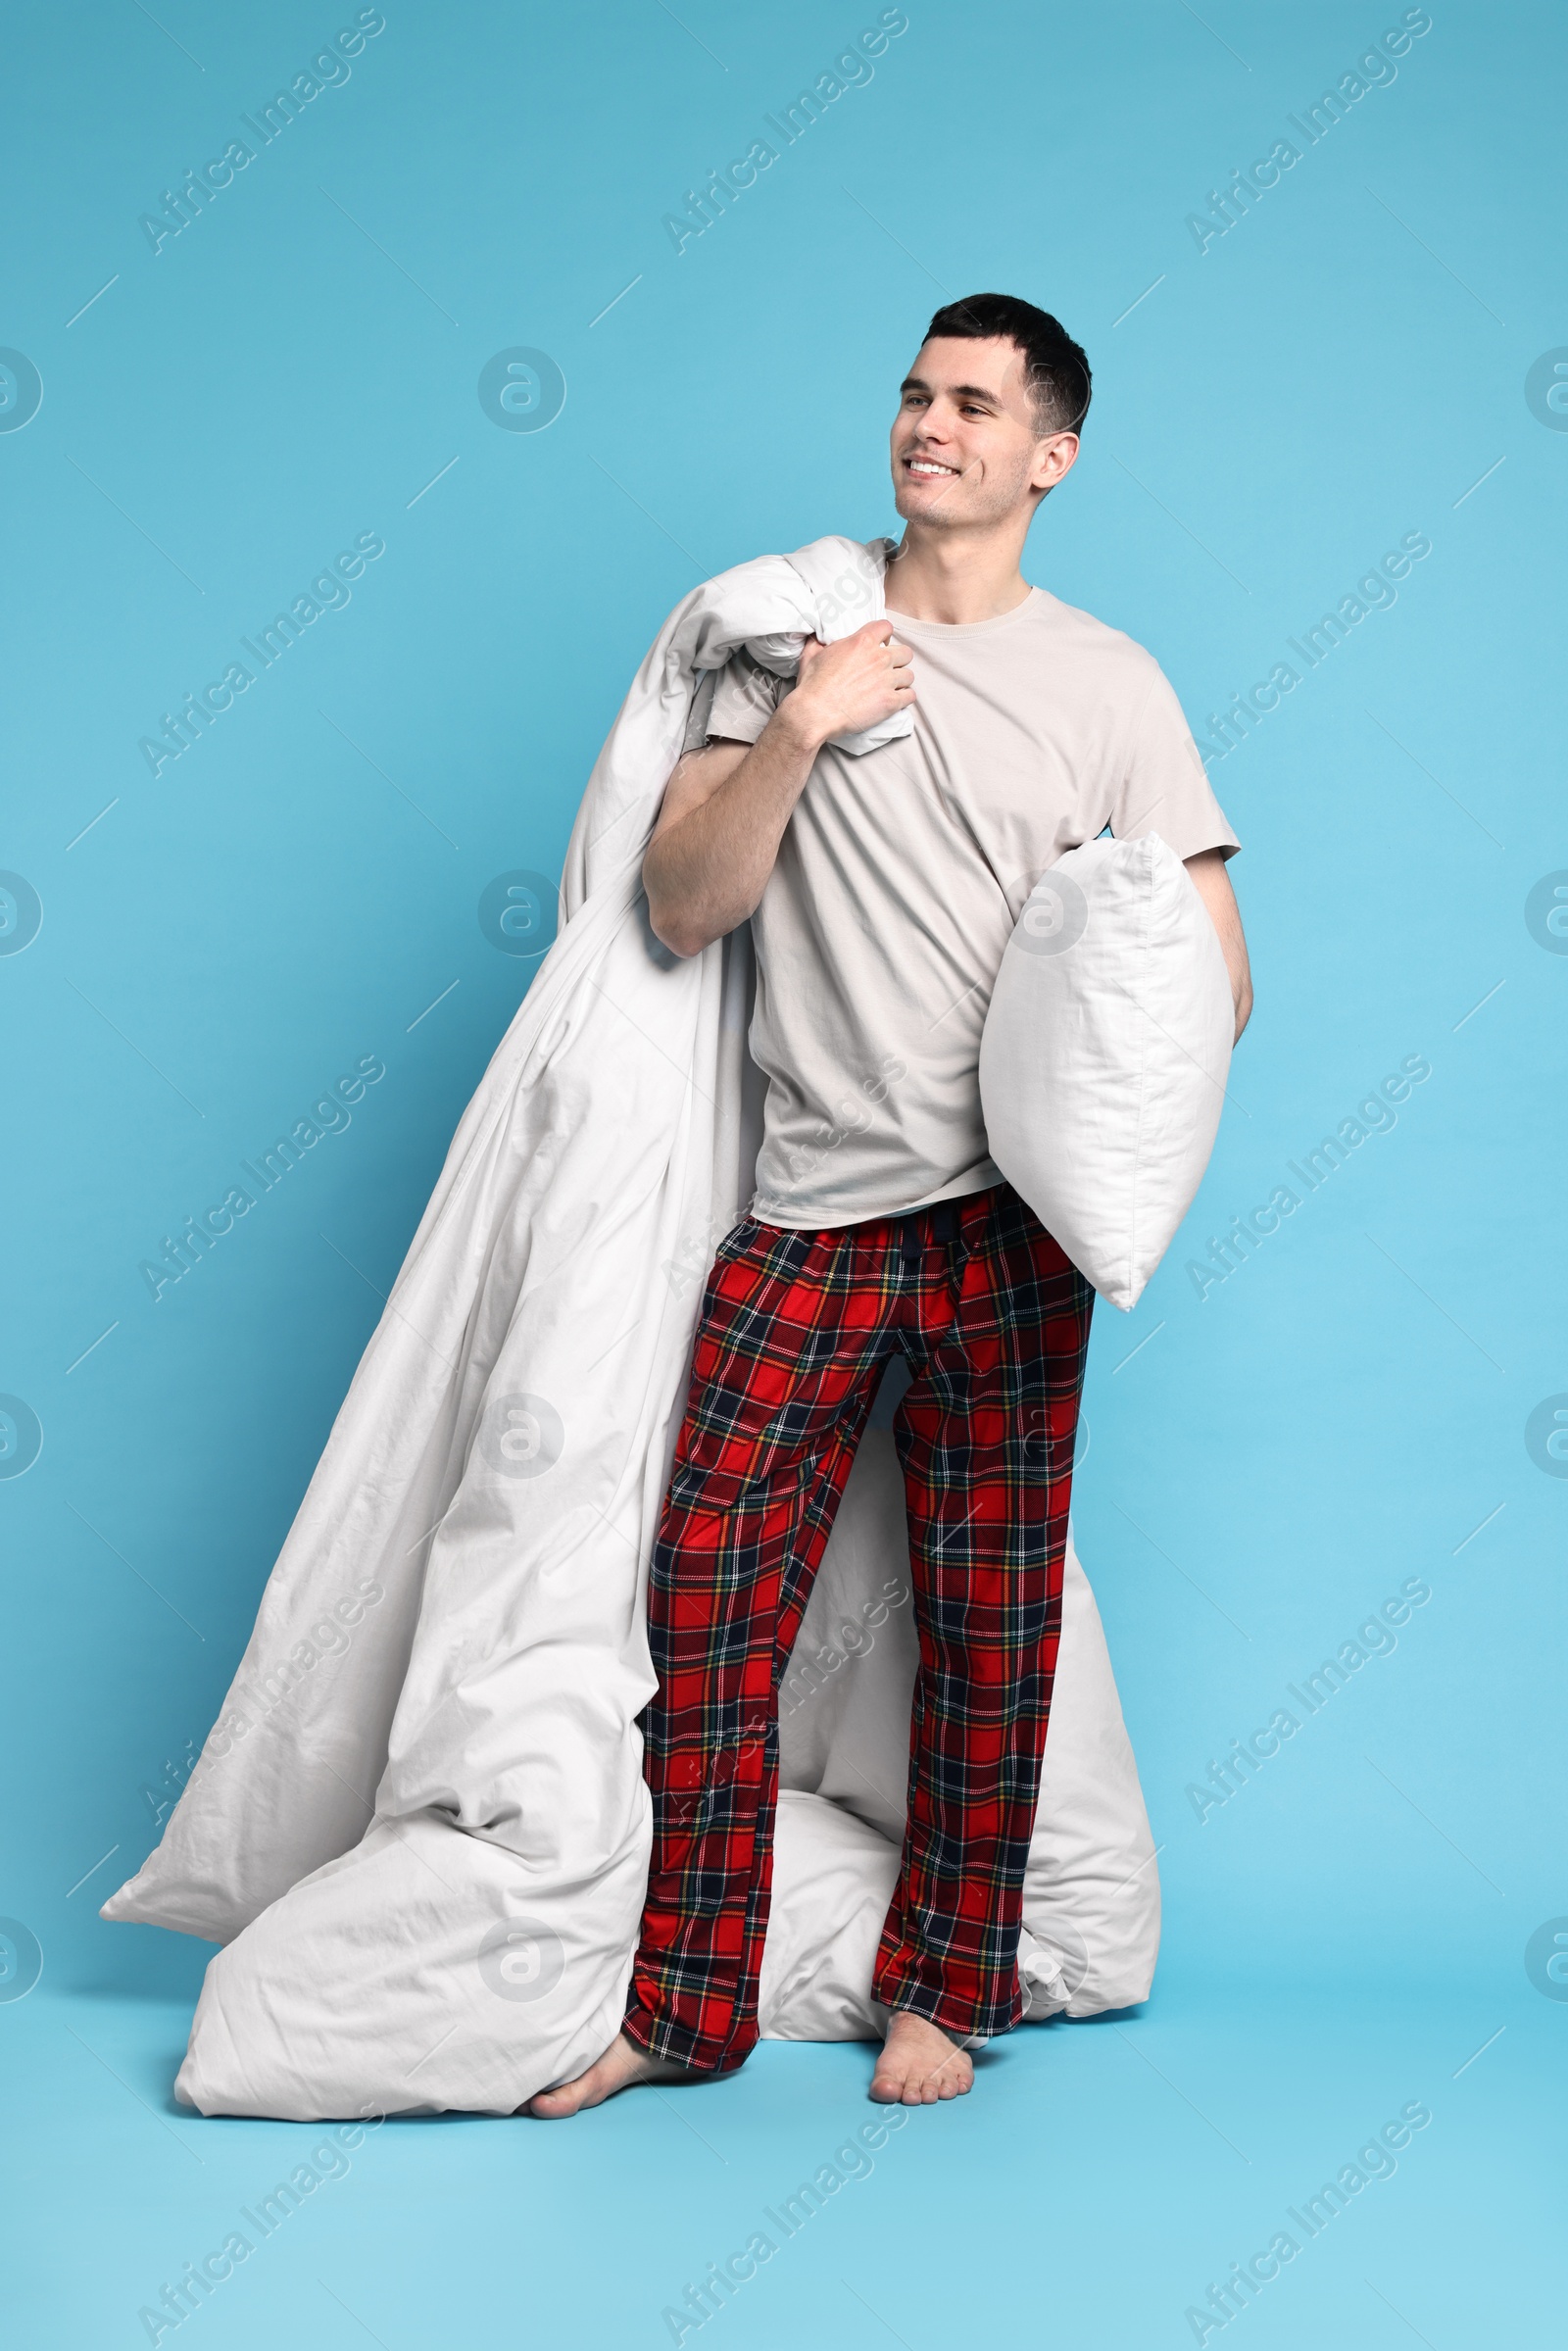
(796, 1330)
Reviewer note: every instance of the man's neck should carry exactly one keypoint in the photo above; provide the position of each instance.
(956, 578)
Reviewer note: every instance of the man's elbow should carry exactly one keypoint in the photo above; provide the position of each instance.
(1243, 1005)
(680, 939)
(673, 927)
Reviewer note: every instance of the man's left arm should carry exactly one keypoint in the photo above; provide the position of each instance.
(1213, 884)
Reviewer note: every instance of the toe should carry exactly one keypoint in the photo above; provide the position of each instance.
(550, 2105)
(568, 2098)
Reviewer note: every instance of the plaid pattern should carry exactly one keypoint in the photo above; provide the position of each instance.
(795, 1332)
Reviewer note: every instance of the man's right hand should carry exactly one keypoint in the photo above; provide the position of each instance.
(843, 688)
(725, 808)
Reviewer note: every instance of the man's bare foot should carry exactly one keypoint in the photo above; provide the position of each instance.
(919, 2064)
(623, 2066)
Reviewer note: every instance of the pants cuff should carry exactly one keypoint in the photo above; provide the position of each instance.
(677, 2044)
(961, 2023)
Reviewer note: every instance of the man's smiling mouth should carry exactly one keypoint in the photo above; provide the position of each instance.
(930, 468)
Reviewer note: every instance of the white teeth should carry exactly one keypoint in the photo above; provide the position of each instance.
(920, 464)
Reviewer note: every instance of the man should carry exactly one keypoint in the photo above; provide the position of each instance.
(881, 892)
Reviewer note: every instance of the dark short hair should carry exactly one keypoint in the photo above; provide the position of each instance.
(1056, 367)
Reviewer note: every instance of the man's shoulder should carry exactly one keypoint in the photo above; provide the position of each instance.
(1070, 624)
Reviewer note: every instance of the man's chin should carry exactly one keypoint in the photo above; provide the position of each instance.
(920, 507)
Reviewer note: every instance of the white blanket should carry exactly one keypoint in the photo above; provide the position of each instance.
(420, 1825)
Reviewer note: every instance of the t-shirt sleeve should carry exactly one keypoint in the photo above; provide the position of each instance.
(1163, 787)
(745, 697)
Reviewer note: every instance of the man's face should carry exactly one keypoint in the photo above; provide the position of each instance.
(965, 444)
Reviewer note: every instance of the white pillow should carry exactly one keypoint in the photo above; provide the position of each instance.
(1106, 1051)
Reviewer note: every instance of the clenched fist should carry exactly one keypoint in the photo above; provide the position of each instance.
(842, 689)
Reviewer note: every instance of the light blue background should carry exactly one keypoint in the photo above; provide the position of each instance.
(294, 892)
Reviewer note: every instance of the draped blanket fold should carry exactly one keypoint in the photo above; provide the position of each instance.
(419, 1826)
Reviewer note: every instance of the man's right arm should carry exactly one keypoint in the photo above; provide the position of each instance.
(725, 808)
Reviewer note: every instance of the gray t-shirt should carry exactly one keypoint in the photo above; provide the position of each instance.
(901, 876)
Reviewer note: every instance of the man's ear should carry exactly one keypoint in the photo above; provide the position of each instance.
(1055, 458)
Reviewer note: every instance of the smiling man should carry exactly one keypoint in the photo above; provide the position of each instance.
(882, 891)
